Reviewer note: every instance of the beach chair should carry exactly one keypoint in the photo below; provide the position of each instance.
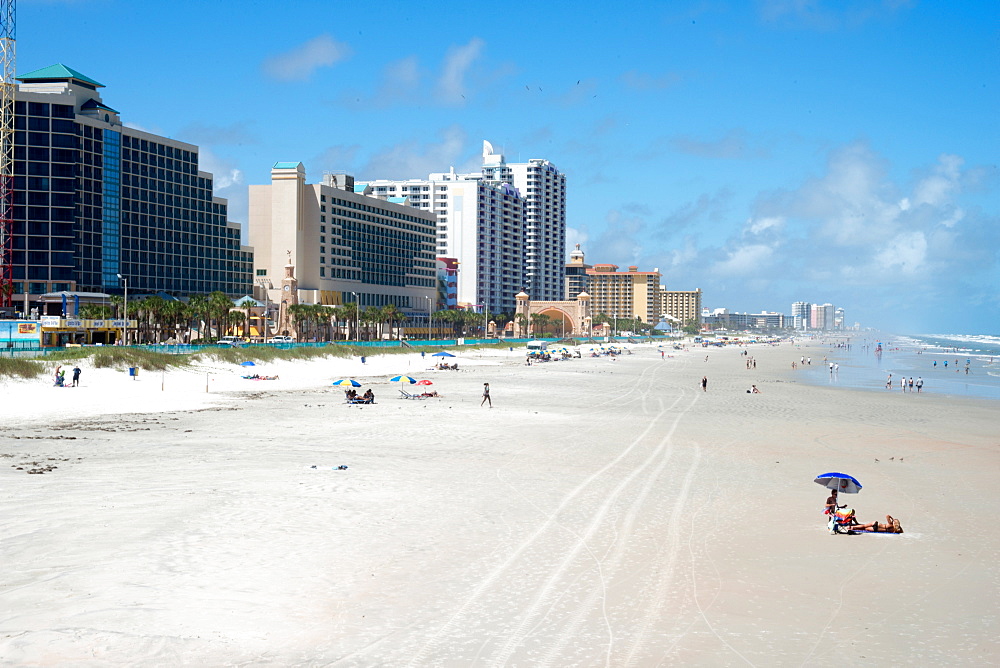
(407, 395)
(841, 521)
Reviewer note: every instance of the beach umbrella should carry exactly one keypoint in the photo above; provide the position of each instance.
(424, 382)
(841, 482)
(248, 363)
(443, 353)
(404, 379)
(347, 381)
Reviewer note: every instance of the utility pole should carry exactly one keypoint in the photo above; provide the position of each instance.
(8, 87)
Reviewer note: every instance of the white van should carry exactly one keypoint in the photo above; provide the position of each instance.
(281, 338)
(537, 345)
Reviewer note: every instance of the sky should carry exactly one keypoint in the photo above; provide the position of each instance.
(766, 152)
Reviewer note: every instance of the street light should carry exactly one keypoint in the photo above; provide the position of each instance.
(265, 284)
(125, 331)
(357, 313)
(614, 332)
(430, 317)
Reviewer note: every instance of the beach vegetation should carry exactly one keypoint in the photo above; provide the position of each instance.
(16, 367)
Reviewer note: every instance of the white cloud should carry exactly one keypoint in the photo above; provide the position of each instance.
(748, 261)
(298, 64)
(758, 226)
(937, 188)
(411, 160)
(906, 253)
(451, 85)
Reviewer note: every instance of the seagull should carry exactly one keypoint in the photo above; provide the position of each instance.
(876, 460)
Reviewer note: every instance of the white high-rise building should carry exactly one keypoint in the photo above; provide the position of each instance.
(544, 188)
(480, 224)
(801, 314)
(506, 225)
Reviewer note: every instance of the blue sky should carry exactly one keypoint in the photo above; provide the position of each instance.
(765, 152)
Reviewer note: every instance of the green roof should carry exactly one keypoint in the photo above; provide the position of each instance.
(59, 72)
(94, 104)
(286, 165)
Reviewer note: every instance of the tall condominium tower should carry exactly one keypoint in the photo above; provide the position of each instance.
(544, 189)
(481, 224)
(97, 203)
(801, 314)
(345, 245)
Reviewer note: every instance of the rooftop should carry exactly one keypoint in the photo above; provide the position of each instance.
(59, 72)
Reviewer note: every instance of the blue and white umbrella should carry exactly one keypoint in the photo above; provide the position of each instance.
(841, 482)
(347, 381)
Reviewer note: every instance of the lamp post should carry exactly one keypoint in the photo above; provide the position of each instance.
(125, 329)
(357, 314)
(430, 316)
(265, 285)
(614, 332)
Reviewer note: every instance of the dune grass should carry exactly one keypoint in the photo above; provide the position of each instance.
(150, 359)
(20, 368)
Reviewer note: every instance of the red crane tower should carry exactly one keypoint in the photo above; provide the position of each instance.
(8, 86)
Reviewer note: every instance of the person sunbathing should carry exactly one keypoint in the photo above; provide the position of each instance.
(891, 525)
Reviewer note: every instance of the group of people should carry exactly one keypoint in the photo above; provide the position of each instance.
(906, 385)
(846, 518)
(59, 380)
(444, 366)
(367, 398)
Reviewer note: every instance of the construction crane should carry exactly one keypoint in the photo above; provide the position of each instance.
(8, 86)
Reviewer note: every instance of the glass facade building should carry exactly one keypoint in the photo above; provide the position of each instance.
(94, 199)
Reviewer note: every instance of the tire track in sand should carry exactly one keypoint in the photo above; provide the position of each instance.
(420, 658)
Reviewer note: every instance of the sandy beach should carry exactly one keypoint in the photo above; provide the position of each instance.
(604, 512)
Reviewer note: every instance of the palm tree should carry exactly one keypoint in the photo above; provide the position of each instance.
(200, 309)
(538, 322)
(174, 313)
(153, 308)
(248, 303)
(95, 312)
(233, 320)
(522, 320)
(370, 316)
(219, 306)
(390, 314)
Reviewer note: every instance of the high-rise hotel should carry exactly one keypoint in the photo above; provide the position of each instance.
(343, 244)
(505, 225)
(94, 199)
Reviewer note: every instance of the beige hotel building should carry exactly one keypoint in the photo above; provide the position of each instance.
(345, 246)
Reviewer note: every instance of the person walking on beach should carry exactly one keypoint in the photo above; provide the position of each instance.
(704, 383)
(920, 384)
(486, 395)
(76, 376)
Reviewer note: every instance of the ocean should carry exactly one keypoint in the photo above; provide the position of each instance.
(973, 363)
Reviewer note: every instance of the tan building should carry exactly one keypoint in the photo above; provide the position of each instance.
(625, 294)
(345, 246)
(680, 306)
